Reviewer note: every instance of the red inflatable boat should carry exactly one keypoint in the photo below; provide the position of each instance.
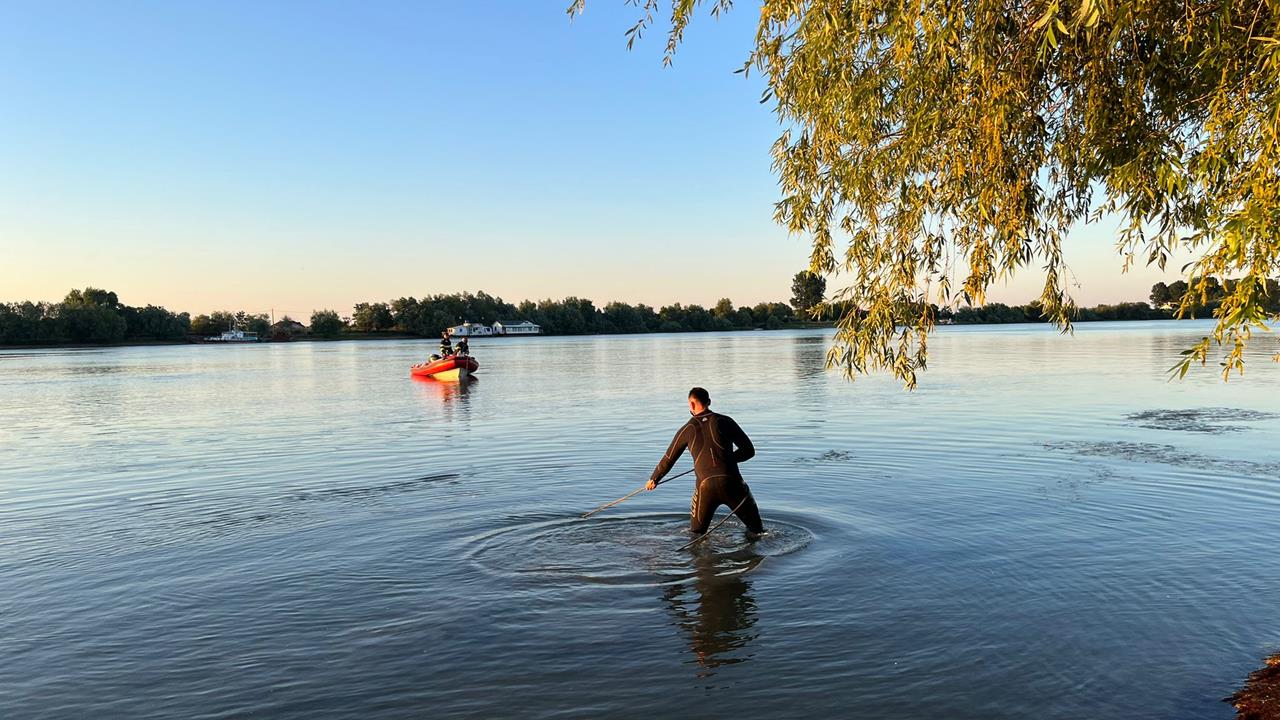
(454, 367)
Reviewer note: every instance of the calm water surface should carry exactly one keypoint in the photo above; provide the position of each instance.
(1046, 529)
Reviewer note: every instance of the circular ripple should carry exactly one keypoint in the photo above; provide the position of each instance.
(627, 550)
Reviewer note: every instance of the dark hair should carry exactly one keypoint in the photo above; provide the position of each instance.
(701, 395)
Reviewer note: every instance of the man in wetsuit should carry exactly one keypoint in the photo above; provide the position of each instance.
(711, 439)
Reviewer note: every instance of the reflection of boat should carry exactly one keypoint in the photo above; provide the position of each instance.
(454, 367)
(448, 392)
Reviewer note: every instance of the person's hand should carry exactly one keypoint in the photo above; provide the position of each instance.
(652, 484)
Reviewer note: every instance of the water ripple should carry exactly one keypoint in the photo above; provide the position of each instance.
(627, 550)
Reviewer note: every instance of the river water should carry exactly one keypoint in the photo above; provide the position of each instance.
(1046, 528)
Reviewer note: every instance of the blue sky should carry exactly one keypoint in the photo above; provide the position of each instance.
(295, 155)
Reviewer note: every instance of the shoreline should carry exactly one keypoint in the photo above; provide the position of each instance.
(1259, 699)
(345, 337)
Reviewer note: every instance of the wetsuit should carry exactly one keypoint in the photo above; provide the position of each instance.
(711, 438)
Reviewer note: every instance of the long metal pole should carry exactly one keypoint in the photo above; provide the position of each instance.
(632, 494)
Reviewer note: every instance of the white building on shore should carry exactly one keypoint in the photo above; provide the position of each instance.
(469, 329)
(513, 327)
(502, 327)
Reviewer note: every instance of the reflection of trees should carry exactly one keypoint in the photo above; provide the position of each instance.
(809, 363)
(716, 612)
(809, 355)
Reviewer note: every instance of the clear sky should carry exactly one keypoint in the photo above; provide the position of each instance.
(291, 155)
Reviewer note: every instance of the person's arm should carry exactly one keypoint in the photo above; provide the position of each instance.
(678, 444)
(744, 449)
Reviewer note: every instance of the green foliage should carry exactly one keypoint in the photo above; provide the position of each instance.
(807, 291)
(204, 326)
(1033, 313)
(623, 318)
(87, 316)
(690, 318)
(28, 323)
(326, 324)
(990, 313)
(431, 315)
(371, 317)
(780, 312)
(91, 323)
(926, 139)
(1160, 296)
(221, 321)
(249, 322)
(1208, 296)
(154, 323)
(97, 316)
(91, 297)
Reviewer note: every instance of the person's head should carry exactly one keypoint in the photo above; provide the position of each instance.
(699, 400)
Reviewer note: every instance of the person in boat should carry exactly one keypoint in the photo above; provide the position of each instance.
(463, 347)
(446, 347)
(717, 445)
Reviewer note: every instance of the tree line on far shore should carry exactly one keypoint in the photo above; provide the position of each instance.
(430, 316)
(94, 316)
(1171, 295)
(89, 316)
(1164, 305)
(1033, 312)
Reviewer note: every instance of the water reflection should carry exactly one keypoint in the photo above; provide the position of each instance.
(808, 363)
(716, 611)
(809, 355)
(273, 504)
(447, 392)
